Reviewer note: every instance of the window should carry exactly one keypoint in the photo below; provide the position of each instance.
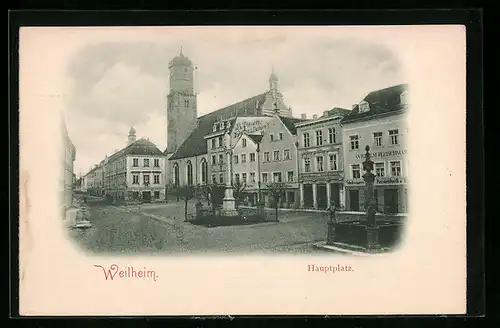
(135, 179)
(277, 177)
(186, 102)
(393, 136)
(354, 142)
(214, 145)
(221, 177)
(146, 179)
(333, 162)
(396, 169)
(281, 135)
(252, 157)
(356, 173)
(377, 139)
(264, 177)
(220, 142)
(266, 156)
(214, 178)
(156, 162)
(189, 173)
(319, 138)
(271, 137)
(290, 176)
(157, 195)
(237, 177)
(156, 179)
(319, 163)
(379, 169)
(364, 107)
(252, 177)
(307, 165)
(307, 140)
(204, 171)
(243, 158)
(286, 154)
(331, 135)
(276, 155)
(243, 178)
(235, 159)
(403, 99)
(221, 159)
(244, 142)
(176, 174)
(214, 159)
(135, 162)
(146, 162)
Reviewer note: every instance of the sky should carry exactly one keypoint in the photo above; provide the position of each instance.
(117, 77)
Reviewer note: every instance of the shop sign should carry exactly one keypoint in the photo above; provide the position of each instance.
(379, 154)
(390, 180)
(319, 176)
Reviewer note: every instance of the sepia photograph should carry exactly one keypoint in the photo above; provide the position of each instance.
(280, 162)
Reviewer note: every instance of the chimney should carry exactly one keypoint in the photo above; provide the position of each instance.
(325, 113)
(303, 116)
(315, 116)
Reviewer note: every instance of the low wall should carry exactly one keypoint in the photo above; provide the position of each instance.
(361, 216)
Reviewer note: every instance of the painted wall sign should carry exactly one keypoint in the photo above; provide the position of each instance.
(378, 181)
(384, 154)
(319, 176)
(249, 127)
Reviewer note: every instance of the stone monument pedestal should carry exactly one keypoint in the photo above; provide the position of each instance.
(372, 238)
(228, 203)
(331, 233)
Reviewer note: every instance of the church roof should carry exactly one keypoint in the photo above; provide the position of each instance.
(196, 145)
(181, 60)
(381, 101)
(138, 147)
(290, 123)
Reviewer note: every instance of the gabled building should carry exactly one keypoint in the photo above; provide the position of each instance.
(320, 160)
(378, 121)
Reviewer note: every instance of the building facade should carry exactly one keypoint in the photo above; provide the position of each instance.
(68, 159)
(379, 121)
(320, 159)
(135, 173)
(246, 165)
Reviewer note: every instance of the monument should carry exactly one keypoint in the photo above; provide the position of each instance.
(372, 229)
(228, 202)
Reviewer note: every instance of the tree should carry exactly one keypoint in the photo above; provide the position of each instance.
(238, 192)
(216, 193)
(277, 191)
(186, 193)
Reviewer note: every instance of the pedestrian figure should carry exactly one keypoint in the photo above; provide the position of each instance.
(332, 210)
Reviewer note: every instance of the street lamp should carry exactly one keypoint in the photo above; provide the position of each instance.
(258, 172)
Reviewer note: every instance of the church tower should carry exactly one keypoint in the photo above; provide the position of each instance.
(181, 103)
(274, 103)
(131, 136)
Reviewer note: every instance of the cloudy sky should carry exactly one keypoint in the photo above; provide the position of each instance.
(114, 78)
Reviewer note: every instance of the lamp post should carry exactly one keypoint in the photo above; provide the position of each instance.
(372, 229)
(259, 200)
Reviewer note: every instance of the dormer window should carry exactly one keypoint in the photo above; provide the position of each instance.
(403, 97)
(214, 129)
(364, 107)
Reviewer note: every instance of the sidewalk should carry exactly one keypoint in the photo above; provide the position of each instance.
(347, 249)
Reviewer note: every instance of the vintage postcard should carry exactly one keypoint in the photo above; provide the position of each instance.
(242, 170)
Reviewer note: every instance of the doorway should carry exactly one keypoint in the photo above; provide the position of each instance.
(354, 200)
(321, 193)
(391, 201)
(308, 196)
(146, 196)
(335, 194)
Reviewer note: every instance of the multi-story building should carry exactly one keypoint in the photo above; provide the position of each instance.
(320, 160)
(378, 121)
(246, 165)
(68, 156)
(279, 159)
(136, 172)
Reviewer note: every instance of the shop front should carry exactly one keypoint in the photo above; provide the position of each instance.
(319, 189)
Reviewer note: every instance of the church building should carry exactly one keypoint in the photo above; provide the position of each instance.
(195, 144)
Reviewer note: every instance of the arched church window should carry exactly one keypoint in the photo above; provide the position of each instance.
(189, 173)
(176, 174)
(204, 171)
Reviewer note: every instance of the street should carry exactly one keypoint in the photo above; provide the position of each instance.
(159, 228)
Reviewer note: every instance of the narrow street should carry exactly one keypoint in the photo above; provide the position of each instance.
(160, 229)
